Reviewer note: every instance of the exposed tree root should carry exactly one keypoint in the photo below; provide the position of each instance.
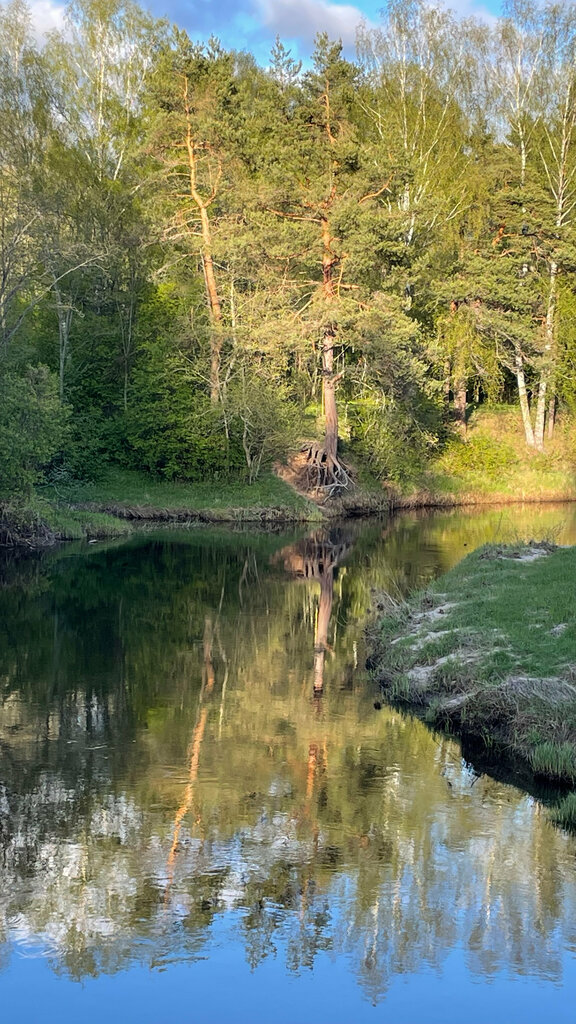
(325, 472)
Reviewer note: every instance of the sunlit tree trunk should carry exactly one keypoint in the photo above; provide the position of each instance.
(523, 396)
(203, 204)
(460, 405)
(549, 345)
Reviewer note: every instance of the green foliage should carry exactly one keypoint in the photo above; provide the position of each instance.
(182, 229)
(395, 444)
(481, 454)
(268, 421)
(179, 435)
(32, 425)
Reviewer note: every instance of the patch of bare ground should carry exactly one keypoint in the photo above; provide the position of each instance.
(335, 497)
(529, 552)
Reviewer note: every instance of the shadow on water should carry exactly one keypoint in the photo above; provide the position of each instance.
(189, 748)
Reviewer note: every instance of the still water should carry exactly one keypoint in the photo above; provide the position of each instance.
(203, 817)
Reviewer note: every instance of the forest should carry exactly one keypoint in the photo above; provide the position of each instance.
(206, 264)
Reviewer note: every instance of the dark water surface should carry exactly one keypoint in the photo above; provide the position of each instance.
(204, 818)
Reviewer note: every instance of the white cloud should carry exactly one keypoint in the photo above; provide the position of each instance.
(302, 19)
(46, 16)
(471, 8)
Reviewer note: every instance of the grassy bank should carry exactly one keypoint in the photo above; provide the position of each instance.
(492, 464)
(489, 651)
(137, 496)
(36, 522)
(112, 505)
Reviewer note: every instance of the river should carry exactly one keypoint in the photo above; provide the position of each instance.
(205, 815)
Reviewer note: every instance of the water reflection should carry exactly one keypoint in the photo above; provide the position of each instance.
(186, 741)
(317, 557)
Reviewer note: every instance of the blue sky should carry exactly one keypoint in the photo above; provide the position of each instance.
(253, 24)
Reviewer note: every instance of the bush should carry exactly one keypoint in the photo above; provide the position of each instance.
(181, 440)
(394, 441)
(265, 421)
(91, 442)
(483, 455)
(33, 425)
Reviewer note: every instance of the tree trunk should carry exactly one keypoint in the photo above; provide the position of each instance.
(460, 406)
(212, 295)
(329, 391)
(324, 468)
(328, 383)
(551, 417)
(548, 359)
(523, 396)
(446, 385)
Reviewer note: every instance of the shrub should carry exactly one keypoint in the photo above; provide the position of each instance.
(483, 455)
(394, 441)
(33, 425)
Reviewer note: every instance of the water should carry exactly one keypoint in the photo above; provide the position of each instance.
(204, 817)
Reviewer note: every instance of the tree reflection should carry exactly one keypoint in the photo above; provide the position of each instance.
(316, 558)
(163, 764)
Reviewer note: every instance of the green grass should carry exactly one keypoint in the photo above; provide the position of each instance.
(129, 489)
(77, 524)
(490, 650)
(555, 761)
(35, 521)
(564, 813)
(493, 463)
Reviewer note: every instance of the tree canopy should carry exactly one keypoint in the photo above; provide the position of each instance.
(206, 264)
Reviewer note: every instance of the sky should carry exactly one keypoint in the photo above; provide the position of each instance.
(254, 24)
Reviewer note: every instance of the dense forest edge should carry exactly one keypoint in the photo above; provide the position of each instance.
(473, 656)
(317, 287)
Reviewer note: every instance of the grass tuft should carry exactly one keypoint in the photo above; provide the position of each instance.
(554, 761)
(564, 814)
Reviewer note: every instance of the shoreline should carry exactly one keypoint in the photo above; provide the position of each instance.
(45, 522)
(487, 653)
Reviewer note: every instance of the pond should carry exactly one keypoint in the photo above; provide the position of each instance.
(203, 815)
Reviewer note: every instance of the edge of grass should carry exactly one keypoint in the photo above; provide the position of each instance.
(487, 652)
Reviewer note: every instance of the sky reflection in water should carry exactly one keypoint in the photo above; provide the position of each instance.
(202, 813)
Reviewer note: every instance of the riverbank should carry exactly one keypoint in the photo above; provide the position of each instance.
(490, 466)
(488, 652)
(119, 501)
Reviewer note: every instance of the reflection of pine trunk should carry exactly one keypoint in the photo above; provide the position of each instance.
(184, 808)
(195, 745)
(322, 625)
(208, 668)
(311, 773)
(316, 558)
